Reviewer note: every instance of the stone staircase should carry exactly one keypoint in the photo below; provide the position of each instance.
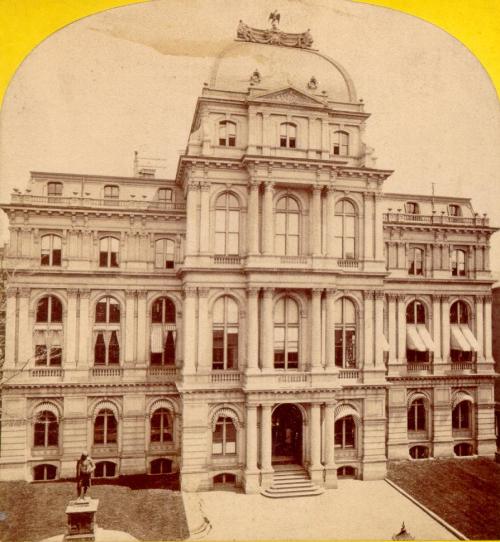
(292, 481)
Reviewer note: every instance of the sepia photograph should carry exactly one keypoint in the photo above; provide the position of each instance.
(249, 278)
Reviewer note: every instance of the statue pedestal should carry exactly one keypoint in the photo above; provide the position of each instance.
(81, 520)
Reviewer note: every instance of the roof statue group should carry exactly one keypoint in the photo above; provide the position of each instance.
(274, 36)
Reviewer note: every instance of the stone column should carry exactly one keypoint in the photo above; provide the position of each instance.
(204, 353)
(266, 444)
(10, 328)
(253, 218)
(378, 224)
(267, 329)
(69, 358)
(368, 331)
(436, 324)
(142, 328)
(315, 470)
(445, 328)
(329, 447)
(192, 222)
(330, 329)
(401, 329)
(251, 471)
(330, 222)
(204, 217)
(379, 329)
(24, 349)
(316, 328)
(252, 329)
(85, 336)
(392, 338)
(368, 223)
(268, 219)
(487, 329)
(316, 220)
(189, 327)
(480, 326)
(129, 327)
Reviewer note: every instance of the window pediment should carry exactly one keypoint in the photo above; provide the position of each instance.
(290, 96)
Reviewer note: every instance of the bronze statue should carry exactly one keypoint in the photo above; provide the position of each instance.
(85, 466)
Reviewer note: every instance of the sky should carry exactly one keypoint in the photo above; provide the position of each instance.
(127, 79)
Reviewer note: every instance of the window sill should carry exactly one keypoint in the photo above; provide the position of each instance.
(52, 451)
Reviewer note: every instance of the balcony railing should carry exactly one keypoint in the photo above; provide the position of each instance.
(227, 260)
(419, 367)
(77, 201)
(346, 374)
(106, 371)
(436, 219)
(294, 377)
(168, 373)
(42, 372)
(225, 376)
(348, 264)
(294, 259)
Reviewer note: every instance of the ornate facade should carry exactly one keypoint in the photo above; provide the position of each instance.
(270, 305)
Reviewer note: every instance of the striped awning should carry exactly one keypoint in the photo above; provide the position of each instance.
(458, 340)
(461, 396)
(157, 339)
(413, 340)
(426, 338)
(346, 410)
(474, 346)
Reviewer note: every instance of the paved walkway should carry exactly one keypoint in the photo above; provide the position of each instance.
(356, 510)
(101, 535)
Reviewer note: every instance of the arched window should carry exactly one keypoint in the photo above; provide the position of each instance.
(107, 310)
(227, 225)
(415, 313)
(44, 472)
(341, 143)
(345, 333)
(161, 465)
(46, 430)
(345, 230)
(463, 449)
(458, 263)
(106, 331)
(345, 433)
(287, 227)
(224, 437)
(286, 334)
(419, 345)
(461, 415)
(105, 427)
(164, 253)
(225, 326)
(108, 252)
(50, 250)
(49, 310)
(463, 344)
(111, 191)
(419, 452)
(105, 469)
(161, 426)
(288, 135)
(163, 332)
(54, 189)
(412, 208)
(227, 133)
(417, 416)
(416, 261)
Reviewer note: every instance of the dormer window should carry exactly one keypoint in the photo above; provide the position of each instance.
(341, 143)
(111, 191)
(165, 195)
(227, 133)
(54, 189)
(288, 135)
(454, 210)
(412, 208)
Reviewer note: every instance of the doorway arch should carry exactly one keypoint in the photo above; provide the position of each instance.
(287, 424)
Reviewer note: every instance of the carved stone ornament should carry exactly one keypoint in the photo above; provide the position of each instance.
(274, 36)
(290, 96)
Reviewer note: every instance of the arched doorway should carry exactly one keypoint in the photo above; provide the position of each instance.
(287, 435)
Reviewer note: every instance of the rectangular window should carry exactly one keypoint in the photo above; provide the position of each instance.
(40, 354)
(232, 348)
(218, 350)
(217, 439)
(55, 356)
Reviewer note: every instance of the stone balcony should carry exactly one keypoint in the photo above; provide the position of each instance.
(436, 220)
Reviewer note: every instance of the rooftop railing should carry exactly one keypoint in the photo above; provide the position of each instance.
(78, 201)
(436, 219)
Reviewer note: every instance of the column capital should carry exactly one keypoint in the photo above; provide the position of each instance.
(330, 189)
(268, 292)
(444, 298)
(193, 185)
(203, 292)
(130, 294)
(379, 294)
(330, 292)
(142, 294)
(268, 186)
(72, 292)
(252, 291)
(488, 298)
(253, 183)
(317, 188)
(205, 186)
(316, 291)
(24, 292)
(401, 297)
(369, 294)
(189, 291)
(11, 292)
(392, 296)
(84, 293)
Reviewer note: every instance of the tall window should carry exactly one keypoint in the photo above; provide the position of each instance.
(459, 313)
(111, 191)
(165, 194)
(46, 430)
(458, 263)
(54, 189)
(345, 333)
(287, 227)
(106, 345)
(415, 313)
(416, 262)
(108, 252)
(163, 332)
(417, 416)
(417, 350)
(461, 415)
(341, 143)
(461, 349)
(286, 334)
(224, 437)
(412, 208)
(345, 230)
(51, 250)
(288, 135)
(49, 310)
(227, 133)
(164, 253)
(227, 225)
(161, 426)
(225, 334)
(345, 432)
(48, 347)
(105, 427)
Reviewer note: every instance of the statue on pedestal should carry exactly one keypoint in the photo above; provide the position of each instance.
(85, 466)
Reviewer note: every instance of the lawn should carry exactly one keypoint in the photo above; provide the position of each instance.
(37, 511)
(464, 492)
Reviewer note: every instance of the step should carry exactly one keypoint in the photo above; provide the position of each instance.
(305, 493)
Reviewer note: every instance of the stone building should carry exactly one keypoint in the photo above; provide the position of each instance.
(270, 306)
